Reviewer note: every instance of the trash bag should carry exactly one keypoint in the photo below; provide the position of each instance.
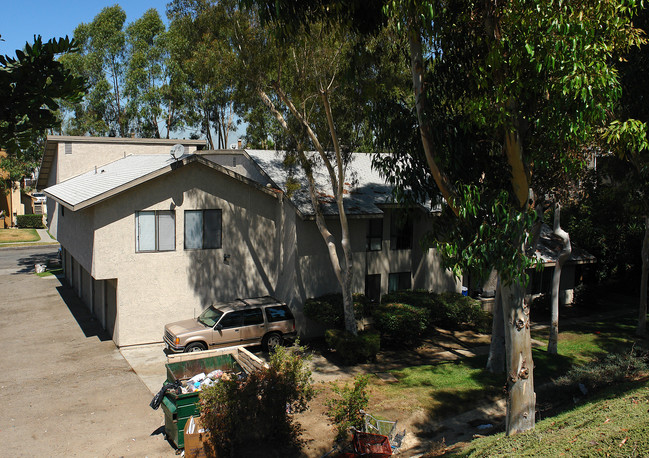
(157, 399)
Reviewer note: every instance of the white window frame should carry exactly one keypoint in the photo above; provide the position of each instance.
(156, 230)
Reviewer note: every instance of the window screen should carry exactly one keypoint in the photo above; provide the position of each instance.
(155, 231)
(400, 233)
(203, 229)
(399, 281)
(193, 230)
(374, 234)
(373, 287)
(146, 231)
(166, 231)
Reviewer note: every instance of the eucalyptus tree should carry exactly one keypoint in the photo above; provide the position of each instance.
(311, 81)
(201, 47)
(102, 61)
(538, 82)
(145, 72)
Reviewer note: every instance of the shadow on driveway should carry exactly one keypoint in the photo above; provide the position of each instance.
(89, 324)
(26, 264)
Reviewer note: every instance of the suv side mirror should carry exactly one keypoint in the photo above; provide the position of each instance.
(218, 327)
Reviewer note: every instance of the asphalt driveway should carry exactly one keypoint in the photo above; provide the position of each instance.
(65, 389)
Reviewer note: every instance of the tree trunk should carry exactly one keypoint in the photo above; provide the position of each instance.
(348, 299)
(521, 399)
(417, 70)
(642, 317)
(496, 361)
(564, 255)
(344, 275)
(208, 129)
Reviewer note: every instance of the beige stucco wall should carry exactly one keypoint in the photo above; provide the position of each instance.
(156, 288)
(271, 251)
(316, 275)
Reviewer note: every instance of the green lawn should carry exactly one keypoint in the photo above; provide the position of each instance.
(614, 423)
(18, 235)
(457, 386)
(48, 273)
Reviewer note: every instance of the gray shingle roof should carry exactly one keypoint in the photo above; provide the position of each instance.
(364, 189)
(549, 248)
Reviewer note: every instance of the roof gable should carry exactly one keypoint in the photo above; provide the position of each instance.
(105, 182)
(52, 144)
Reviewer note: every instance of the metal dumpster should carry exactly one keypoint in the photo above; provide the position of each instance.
(178, 408)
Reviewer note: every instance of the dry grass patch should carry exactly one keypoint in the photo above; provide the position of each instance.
(18, 235)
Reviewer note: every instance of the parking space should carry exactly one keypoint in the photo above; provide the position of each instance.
(65, 389)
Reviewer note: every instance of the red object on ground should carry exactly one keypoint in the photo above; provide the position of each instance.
(372, 445)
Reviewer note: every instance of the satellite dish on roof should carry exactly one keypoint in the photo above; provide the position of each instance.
(177, 151)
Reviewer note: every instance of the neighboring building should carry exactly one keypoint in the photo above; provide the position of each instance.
(67, 156)
(547, 253)
(149, 239)
(13, 201)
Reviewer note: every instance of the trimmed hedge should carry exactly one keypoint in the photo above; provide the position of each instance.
(401, 324)
(354, 349)
(447, 310)
(328, 309)
(457, 311)
(30, 221)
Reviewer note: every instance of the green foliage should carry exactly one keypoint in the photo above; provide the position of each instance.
(455, 311)
(606, 370)
(353, 349)
(542, 72)
(447, 310)
(134, 85)
(628, 137)
(259, 409)
(102, 61)
(145, 78)
(30, 221)
(204, 38)
(401, 324)
(328, 309)
(32, 86)
(416, 297)
(345, 410)
(606, 220)
(488, 234)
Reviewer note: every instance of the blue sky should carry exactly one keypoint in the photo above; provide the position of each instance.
(20, 20)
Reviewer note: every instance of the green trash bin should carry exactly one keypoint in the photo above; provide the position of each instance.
(178, 408)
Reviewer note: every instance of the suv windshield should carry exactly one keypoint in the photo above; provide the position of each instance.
(210, 316)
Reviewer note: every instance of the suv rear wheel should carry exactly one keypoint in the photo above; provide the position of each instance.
(271, 341)
(195, 346)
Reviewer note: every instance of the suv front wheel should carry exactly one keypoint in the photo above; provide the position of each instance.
(271, 341)
(195, 346)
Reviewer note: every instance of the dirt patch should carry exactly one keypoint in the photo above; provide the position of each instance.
(444, 345)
